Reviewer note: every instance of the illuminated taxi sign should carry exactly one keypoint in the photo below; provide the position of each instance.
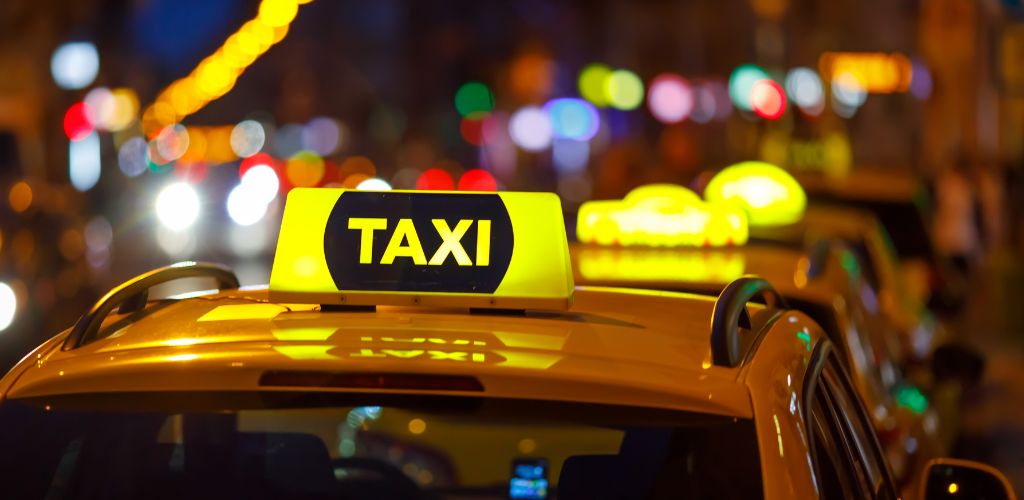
(770, 195)
(661, 215)
(500, 250)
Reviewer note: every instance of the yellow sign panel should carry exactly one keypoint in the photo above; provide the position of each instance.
(769, 194)
(662, 215)
(449, 249)
(876, 72)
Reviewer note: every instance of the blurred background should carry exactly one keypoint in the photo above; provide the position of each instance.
(134, 133)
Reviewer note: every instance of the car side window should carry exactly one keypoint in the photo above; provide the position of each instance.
(837, 473)
(848, 459)
(858, 434)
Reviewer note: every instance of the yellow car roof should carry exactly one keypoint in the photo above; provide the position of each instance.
(612, 346)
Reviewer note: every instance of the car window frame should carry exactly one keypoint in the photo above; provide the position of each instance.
(819, 396)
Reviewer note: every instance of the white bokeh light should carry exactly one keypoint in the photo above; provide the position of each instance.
(248, 138)
(177, 206)
(374, 184)
(245, 207)
(8, 305)
(75, 65)
(530, 128)
(263, 182)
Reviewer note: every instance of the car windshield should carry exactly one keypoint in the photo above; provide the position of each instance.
(374, 447)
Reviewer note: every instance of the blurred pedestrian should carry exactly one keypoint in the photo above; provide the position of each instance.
(956, 215)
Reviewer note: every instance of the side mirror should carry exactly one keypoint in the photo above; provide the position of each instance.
(949, 478)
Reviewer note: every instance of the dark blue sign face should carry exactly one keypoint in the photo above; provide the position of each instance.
(418, 242)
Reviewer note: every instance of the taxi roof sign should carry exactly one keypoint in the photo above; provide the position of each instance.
(447, 249)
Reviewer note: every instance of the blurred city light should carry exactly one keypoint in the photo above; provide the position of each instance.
(74, 65)
(8, 305)
(474, 97)
(84, 162)
(374, 184)
(624, 90)
(177, 206)
(217, 74)
(704, 104)
(321, 135)
(570, 156)
(920, 81)
(131, 157)
(847, 95)
(478, 128)
(247, 241)
(805, 90)
(742, 81)
(112, 110)
(288, 140)
(304, 169)
(263, 182)
(172, 142)
(276, 13)
(98, 234)
(477, 180)
(20, 196)
(247, 138)
(874, 72)
(768, 99)
(670, 98)
(573, 118)
(78, 121)
(435, 179)
(530, 129)
(245, 205)
(592, 84)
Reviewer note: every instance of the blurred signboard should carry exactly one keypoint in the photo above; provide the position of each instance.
(1010, 63)
(876, 72)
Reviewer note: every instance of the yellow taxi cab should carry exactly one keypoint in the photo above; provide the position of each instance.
(825, 282)
(434, 345)
(790, 215)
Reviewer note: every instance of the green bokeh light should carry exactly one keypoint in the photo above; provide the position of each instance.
(592, 83)
(624, 90)
(741, 82)
(474, 97)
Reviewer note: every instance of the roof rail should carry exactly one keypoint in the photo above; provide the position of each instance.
(132, 295)
(730, 314)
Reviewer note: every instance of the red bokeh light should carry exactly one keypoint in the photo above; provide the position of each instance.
(477, 180)
(768, 99)
(192, 172)
(435, 179)
(78, 121)
(257, 159)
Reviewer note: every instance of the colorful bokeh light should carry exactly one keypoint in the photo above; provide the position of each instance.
(768, 99)
(477, 180)
(592, 84)
(474, 97)
(573, 118)
(75, 65)
(78, 121)
(670, 98)
(435, 179)
(624, 90)
(742, 81)
(530, 129)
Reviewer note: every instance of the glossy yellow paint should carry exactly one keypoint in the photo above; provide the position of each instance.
(660, 215)
(769, 194)
(539, 275)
